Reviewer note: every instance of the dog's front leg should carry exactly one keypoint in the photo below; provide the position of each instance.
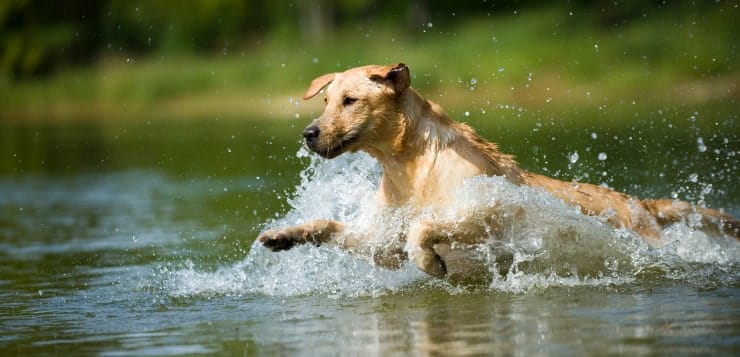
(420, 244)
(316, 232)
(332, 233)
(427, 238)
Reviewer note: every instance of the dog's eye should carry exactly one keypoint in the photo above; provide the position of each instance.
(348, 101)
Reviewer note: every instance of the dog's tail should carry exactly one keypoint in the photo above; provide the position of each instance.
(668, 211)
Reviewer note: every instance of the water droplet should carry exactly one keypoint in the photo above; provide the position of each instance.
(573, 158)
(228, 150)
(611, 263)
(694, 177)
(594, 136)
(602, 156)
(700, 145)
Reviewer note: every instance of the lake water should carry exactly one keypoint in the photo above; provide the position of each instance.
(137, 239)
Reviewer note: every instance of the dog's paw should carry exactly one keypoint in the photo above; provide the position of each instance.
(431, 263)
(278, 239)
(437, 267)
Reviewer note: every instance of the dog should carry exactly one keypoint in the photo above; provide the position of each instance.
(425, 156)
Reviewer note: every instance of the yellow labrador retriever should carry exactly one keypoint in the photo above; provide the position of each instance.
(425, 156)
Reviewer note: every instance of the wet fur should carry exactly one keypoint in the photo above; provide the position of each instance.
(425, 156)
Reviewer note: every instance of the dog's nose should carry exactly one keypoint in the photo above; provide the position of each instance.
(311, 132)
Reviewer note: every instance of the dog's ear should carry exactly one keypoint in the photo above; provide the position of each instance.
(317, 84)
(398, 75)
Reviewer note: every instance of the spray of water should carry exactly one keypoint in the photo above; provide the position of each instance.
(550, 245)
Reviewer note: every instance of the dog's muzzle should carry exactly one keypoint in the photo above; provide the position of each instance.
(311, 134)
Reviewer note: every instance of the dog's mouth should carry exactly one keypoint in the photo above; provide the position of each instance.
(335, 150)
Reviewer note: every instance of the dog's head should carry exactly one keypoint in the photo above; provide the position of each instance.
(361, 105)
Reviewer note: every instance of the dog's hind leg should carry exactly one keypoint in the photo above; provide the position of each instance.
(668, 211)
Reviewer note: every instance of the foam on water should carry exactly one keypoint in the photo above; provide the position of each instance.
(550, 244)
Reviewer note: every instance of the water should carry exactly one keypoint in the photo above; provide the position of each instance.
(137, 239)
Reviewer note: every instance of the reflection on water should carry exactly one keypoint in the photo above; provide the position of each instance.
(136, 239)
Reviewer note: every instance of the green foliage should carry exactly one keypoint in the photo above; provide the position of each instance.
(30, 41)
(156, 52)
(176, 26)
(37, 36)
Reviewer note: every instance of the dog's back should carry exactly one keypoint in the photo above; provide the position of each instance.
(431, 126)
(646, 217)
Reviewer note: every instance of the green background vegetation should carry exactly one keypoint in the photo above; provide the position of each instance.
(99, 60)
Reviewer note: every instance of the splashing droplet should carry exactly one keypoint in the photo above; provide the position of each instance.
(573, 158)
(611, 263)
(700, 144)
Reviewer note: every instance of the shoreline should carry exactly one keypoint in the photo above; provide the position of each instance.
(245, 104)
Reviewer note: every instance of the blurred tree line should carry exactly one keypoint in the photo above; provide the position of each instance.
(38, 36)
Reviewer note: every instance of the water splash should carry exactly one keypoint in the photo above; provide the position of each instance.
(301, 271)
(550, 245)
